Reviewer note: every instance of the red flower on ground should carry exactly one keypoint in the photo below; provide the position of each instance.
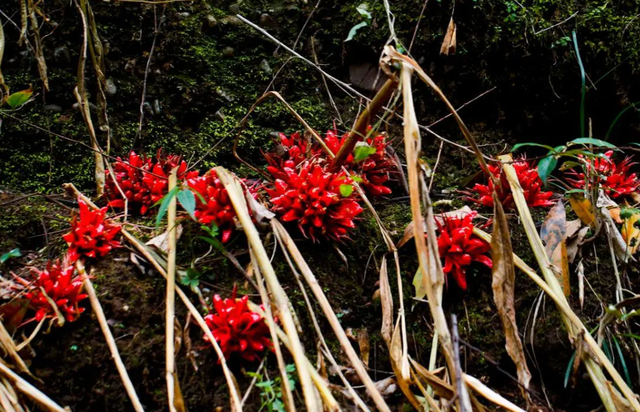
(458, 247)
(237, 329)
(217, 207)
(614, 178)
(322, 203)
(529, 181)
(143, 181)
(374, 169)
(57, 284)
(91, 236)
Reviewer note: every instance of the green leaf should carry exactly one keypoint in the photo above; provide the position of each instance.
(213, 242)
(357, 178)
(622, 361)
(346, 190)
(519, 145)
(17, 99)
(592, 141)
(165, 204)
(14, 253)
(363, 9)
(545, 167)
(625, 213)
(569, 367)
(213, 231)
(192, 278)
(355, 29)
(362, 151)
(188, 202)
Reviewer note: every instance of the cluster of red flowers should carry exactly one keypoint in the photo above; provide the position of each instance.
(237, 329)
(217, 207)
(529, 181)
(374, 169)
(615, 179)
(58, 284)
(458, 247)
(91, 236)
(323, 203)
(143, 180)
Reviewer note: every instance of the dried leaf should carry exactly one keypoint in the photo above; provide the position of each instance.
(363, 343)
(386, 301)
(574, 244)
(583, 208)
(561, 262)
(387, 387)
(503, 285)
(554, 228)
(622, 405)
(449, 43)
(396, 358)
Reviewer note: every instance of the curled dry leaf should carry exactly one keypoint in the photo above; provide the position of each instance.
(583, 208)
(503, 285)
(386, 301)
(449, 43)
(553, 233)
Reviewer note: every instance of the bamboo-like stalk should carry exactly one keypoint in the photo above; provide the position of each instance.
(311, 280)
(412, 144)
(171, 294)
(141, 247)
(111, 342)
(595, 372)
(279, 296)
(29, 390)
(490, 395)
(289, 403)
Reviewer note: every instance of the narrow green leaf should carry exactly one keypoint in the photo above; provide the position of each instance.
(17, 99)
(592, 141)
(357, 178)
(14, 253)
(355, 29)
(519, 145)
(623, 362)
(545, 167)
(346, 190)
(165, 204)
(188, 202)
(569, 367)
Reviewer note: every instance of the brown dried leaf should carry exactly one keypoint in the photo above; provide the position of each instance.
(386, 301)
(395, 355)
(630, 233)
(363, 343)
(554, 228)
(503, 285)
(449, 43)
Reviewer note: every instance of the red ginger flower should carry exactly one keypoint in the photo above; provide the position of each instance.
(458, 247)
(143, 181)
(529, 181)
(614, 178)
(374, 169)
(56, 284)
(217, 207)
(237, 329)
(311, 196)
(91, 235)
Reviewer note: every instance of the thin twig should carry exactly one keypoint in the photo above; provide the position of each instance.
(171, 294)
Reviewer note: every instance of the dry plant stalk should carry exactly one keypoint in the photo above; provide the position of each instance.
(311, 280)
(29, 390)
(81, 96)
(37, 45)
(503, 285)
(111, 342)
(280, 299)
(4, 92)
(594, 357)
(144, 251)
(287, 398)
(173, 390)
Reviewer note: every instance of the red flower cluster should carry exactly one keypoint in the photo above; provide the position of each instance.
(374, 169)
(143, 180)
(529, 181)
(217, 207)
(91, 235)
(322, 203)
(56, 285)
(614, 178)
(458, 247)
(237, 329)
